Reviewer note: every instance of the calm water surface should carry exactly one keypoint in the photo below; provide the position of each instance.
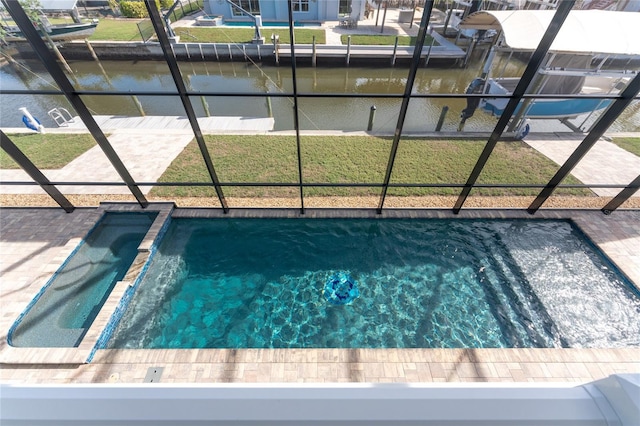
(246, 77)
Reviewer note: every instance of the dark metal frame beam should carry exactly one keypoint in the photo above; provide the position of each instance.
(413, 69)
(622, 196)
(302, 95)
(32, 170)
(527, 77)
(158, 25)
(318, 184)
(50, 63)
(296, 119)
(601, 126)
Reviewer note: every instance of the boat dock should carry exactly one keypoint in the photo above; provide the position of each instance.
(370, 53)
(440, 49)
(335, 49)
(207, 124)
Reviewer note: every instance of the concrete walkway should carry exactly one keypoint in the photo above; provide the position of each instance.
(146, 154)
(605, 163)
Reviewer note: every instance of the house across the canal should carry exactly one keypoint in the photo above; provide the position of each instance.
(277, 11)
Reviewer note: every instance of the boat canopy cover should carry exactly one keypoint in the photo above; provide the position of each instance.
(584, 31)
(57, 5)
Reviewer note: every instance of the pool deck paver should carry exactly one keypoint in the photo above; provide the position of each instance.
(34, 242)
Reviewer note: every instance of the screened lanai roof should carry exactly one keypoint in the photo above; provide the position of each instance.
(585, 31)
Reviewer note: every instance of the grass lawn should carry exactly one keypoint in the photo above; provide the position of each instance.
(337, 159)
(48, 151)
(630, 144)
(117, 30)
(245, 35)
(385, 40)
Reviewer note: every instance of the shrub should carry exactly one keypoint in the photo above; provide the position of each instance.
(136, 8)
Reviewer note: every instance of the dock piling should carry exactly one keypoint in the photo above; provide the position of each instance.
(443, 114)
(348, 49)
(269, 107)
(55, 49)
(470, 48)
(205, 106)
(372, 116)
(395, 50)
(275, 38)
(313, 52)
(135, 99)
(426, 60)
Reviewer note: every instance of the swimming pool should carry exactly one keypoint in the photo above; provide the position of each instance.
(63, 311)
(259, 283)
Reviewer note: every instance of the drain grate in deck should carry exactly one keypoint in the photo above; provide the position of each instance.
(153, 374)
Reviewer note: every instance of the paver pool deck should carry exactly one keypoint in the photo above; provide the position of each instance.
(35, 241)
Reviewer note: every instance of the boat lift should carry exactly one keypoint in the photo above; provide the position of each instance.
(568, 68)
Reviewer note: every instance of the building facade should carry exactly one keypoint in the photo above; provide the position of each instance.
(276, 10)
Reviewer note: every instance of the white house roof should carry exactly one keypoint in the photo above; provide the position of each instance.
(586, 31)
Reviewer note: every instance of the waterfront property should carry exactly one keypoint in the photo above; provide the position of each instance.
(276, 10)
(169, 370)
(39, 231)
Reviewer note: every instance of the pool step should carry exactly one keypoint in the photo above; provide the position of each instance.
(516, 302)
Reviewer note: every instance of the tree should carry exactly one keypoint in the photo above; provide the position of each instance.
(32, 9)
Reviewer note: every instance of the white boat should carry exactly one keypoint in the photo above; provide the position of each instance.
(602, 84)
(60, 32)
(569, 67)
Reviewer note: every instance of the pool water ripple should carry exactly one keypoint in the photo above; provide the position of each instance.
(258, 283)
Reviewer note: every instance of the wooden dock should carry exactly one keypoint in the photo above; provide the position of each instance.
(370, 52)
(207, 124)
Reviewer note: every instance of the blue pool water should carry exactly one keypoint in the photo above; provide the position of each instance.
(66, 307)
(244, 283)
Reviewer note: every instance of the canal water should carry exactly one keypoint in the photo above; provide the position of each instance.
(328, 113)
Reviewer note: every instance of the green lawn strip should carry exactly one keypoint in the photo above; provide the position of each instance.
(443, 161)
(629, 144)
(384, 40)
(337, 159)
(117, 30)
(48, 151)
(236, 159)
(245, 35)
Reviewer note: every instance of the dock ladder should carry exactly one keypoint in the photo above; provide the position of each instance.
(61, 116)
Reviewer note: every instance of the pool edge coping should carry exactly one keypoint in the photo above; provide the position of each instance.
(83, 354)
